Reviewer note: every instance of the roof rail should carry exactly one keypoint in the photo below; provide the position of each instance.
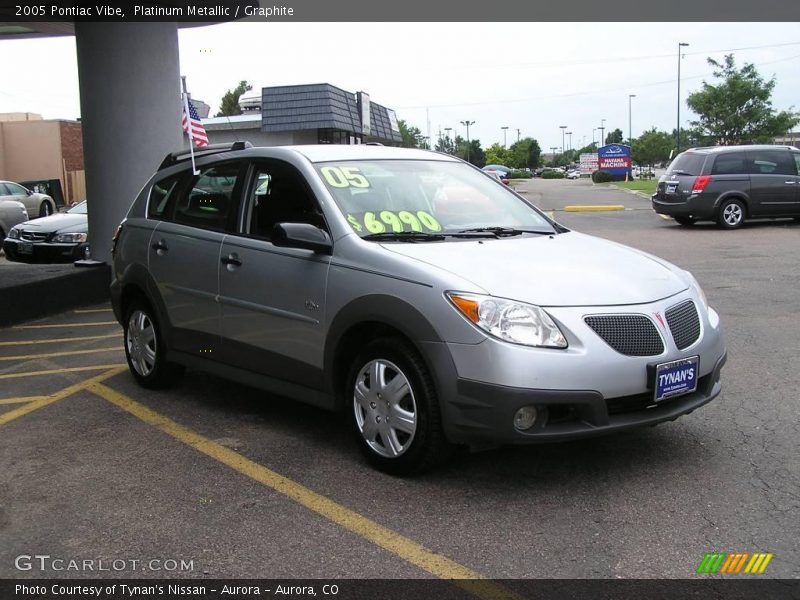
(174, 158)
(373, 144)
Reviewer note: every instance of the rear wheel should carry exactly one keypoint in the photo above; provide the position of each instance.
(145, 348)
(685, 221)
(395, 409)
(45, 209)
(731, 214)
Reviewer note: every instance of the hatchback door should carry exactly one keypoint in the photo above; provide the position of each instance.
(676, 184)
(184, 256)
(773, 183)
(273, 299)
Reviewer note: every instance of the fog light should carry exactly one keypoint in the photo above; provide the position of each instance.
(525, 418)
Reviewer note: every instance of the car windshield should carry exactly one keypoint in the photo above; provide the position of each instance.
(78, 209)
(687, 163)
(428, 196)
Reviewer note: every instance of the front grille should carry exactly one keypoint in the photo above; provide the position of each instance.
(684, 323)
(632, 335)
(33, 236)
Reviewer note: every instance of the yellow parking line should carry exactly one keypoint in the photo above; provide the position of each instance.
(56, 354)
(20, 399)
(59, 395)
(84, 311)
(55, 325)
(59, 371)
(593, 207)
(85, 338)
(389, 540)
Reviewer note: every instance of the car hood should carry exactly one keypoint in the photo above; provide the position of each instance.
(569, 269)
(58, 222)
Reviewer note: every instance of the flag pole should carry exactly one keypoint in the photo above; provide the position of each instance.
(185, 97)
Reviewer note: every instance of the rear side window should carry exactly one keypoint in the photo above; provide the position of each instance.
(211, 198)
(796, 160)
(773, 162)
(162, 195)
(688, 163)
(731, 163)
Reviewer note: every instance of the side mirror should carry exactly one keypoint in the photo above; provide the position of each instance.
(301, 235)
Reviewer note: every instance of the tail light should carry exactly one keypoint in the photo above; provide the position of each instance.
(700, 183)
(115, 239)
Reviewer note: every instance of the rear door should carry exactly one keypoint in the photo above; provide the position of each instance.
(184, 254)
(273, 299)
(773, 182)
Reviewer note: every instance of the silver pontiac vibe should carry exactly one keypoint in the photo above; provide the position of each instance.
(429, 301)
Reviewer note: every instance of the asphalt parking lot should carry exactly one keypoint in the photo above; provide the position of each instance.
(245, 485)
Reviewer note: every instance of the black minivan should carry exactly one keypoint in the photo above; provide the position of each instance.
(729, 184)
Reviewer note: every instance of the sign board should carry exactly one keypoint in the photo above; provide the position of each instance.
(364, 106)
(588, 163)
(614, 158)
(393, 120)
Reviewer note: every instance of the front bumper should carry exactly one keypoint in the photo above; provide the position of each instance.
(483, 413)
(43, 252)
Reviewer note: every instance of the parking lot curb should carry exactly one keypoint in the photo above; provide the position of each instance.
(593, 207)
(35, 299)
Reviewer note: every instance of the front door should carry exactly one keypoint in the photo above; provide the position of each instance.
(273, 299)
(773, 182)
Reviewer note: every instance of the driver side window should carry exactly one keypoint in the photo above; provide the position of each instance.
(279, 195)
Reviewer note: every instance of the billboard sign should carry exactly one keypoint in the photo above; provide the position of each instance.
(614, 158)
(588, 163)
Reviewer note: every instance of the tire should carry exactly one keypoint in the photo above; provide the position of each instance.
(145, 349)
(406, 393)
(45, 209)
(685, 221)
(731, 214)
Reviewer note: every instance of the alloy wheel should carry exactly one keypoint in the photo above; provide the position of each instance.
(732, 214)
(141, 342)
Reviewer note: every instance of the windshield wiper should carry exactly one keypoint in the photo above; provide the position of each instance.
(504, 231)
(404, 236)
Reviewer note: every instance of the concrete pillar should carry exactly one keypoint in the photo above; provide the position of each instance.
(131, 115)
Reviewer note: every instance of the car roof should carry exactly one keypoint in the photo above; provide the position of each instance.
(334, 152)
(720, 149)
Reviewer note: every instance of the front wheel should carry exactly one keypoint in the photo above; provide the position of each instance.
(395, 409)
(731, 214)
(45, 210)
(145, 349)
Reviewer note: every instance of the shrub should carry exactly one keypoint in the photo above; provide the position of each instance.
(520, 174)
(602, 177)
(553, 175)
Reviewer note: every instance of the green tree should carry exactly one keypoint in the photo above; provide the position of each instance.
(738, 108)
(525, 153)
(614, 137)
(411, 135)
(230, 101)
(652, 146)
(476, 154)
(497, 154)
(445, 144)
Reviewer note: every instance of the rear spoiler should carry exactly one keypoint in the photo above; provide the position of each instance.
(174, 158)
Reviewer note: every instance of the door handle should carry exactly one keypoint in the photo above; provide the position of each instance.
(790, 182)
(232, 260)
(160, 246)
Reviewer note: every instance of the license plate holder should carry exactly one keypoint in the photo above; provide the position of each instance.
(676, 378)
(25, 248)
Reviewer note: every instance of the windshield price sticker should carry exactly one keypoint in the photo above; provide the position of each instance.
(378, 222)
(344, 177)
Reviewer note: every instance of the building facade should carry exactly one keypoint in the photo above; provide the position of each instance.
(307, 114)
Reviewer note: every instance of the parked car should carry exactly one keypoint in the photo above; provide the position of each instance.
(62, 237)
(35, 203)
(11, 213)
(498, 175)
(573, 174)
(730, 184)
(405, 288)
(502, 168)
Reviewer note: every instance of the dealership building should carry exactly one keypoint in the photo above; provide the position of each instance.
(307, 114)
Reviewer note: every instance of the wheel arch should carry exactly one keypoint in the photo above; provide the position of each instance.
(733, 194)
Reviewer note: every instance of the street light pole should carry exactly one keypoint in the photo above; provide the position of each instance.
(553, 149)
(467, 124)
(630, 121)
(569, 133)
(602, 129)
(563, 129)
(505, 130)
(678, 128)
(518, 136)
(594, 130)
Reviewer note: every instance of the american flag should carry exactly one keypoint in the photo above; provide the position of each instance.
(198, 131)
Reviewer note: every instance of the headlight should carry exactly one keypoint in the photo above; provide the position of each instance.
(14, 233)
(70, 238)
(515, 322)
(698, 289)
